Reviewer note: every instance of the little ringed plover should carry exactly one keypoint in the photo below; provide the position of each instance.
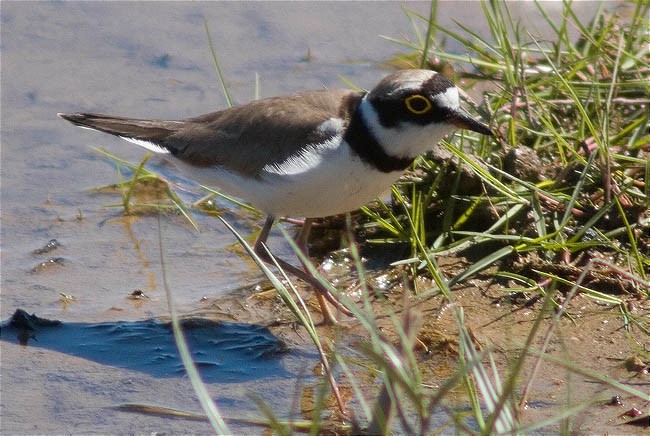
(311, 154)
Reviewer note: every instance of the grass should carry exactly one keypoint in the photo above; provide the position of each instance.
(555, 206)
(583, 108)
(593, 193)
(145, 191)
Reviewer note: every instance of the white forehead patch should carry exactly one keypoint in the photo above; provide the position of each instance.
(448, 99)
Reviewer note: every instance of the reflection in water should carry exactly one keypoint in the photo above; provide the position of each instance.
(151, 276)
(223, 352)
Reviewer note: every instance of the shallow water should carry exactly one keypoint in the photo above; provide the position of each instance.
(147, 60)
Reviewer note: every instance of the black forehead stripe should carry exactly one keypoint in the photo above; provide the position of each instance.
(437, 84)
(390, 105)
(366, 146)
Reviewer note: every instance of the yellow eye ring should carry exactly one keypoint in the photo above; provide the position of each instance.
(414, 104)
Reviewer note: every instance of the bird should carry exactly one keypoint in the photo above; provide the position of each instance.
(311, 154)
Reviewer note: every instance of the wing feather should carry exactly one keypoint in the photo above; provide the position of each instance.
(245, 139)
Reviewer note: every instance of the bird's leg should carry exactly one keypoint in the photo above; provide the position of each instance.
(302, 240)
(322, 291)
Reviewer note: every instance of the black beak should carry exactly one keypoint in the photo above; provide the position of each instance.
(463, 120)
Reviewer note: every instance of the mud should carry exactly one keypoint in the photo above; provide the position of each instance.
(592, 336)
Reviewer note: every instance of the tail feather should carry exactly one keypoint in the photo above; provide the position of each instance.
(151, 134)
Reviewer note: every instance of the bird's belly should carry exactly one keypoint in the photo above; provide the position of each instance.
(328, 192)
(339, 184)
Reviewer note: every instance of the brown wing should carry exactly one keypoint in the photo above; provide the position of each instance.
(243, 138)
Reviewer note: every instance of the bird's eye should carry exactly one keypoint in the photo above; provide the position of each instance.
(417, 104)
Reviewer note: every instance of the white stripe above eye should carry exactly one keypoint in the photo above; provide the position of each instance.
(449, 98)
(155, 148)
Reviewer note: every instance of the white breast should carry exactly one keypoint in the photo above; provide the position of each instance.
(327, 181)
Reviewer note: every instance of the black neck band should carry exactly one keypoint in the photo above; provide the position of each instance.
(364, 143)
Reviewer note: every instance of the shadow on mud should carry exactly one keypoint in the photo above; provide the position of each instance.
(223, 352)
